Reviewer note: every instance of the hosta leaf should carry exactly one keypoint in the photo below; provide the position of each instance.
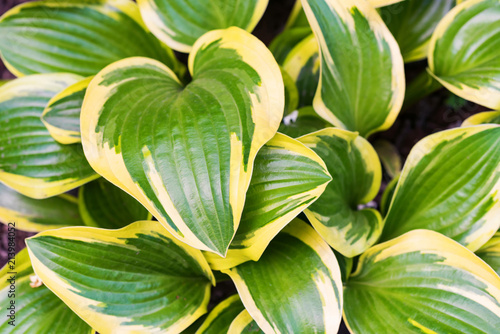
(244, 324)
(31, 161)
(179, 23)
(464, 52)
(137, 279)
(487, 117)
(286, 41)
(296, 285)
(362, 79)
(490, 252)
(287, 178)
(450, 184)
(221, 317)
(422, 282)
(357, 174)
(38, 310)
(62, 114)
(301, 122)
(36, 215)
(104, 205)
(78, 37)
(302, 63)
(187, 152)
(412, 23)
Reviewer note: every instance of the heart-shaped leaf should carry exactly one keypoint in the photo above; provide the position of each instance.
(35, 215)
(287, 178)
(357, 174)
(490, 253)
(220, 318)
(412, 23)
(244, 324)
(362, 80)
(187, 152)
(137, 279)
(179, 23)
(36, 310)
(31, 161)
(487, 117)
(104, 205)
(464, 52)
(62, 114)
(80, 37)
(450, 184)
(296, 285)
(422, 282)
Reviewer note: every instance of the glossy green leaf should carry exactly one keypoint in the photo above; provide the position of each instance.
(37, 309)
(104, 205)
(220, 318)
(31, 161)
(450, 184)
(412, 23)
(34, 215)
(464, 52)
(362, 81)
(357, 174)
(490, 253)
(287, 178)
(487, 117)
(179, 23)
(286, 41)
(285, 297)
(78, 37)
(62, 114)
(303, 63)
(187, 152)
(137, 279)
(244, 324)
(422, 282)
(301, 122)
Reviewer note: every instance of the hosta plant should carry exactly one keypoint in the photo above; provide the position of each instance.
(240, 190)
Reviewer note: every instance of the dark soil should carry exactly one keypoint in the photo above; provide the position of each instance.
(438, 111)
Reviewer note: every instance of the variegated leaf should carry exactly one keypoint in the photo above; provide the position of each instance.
(179, 23)
(464, 52)
(285, 297)
(62, 114)
(422, 282)
(36, 309)
(136, 279)
(78, 37)
(287, 178)
(31, 161)
(187, 152)
(357, 174)
(450, 184)
(412, 23)
(362, 81)
(35, 215)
